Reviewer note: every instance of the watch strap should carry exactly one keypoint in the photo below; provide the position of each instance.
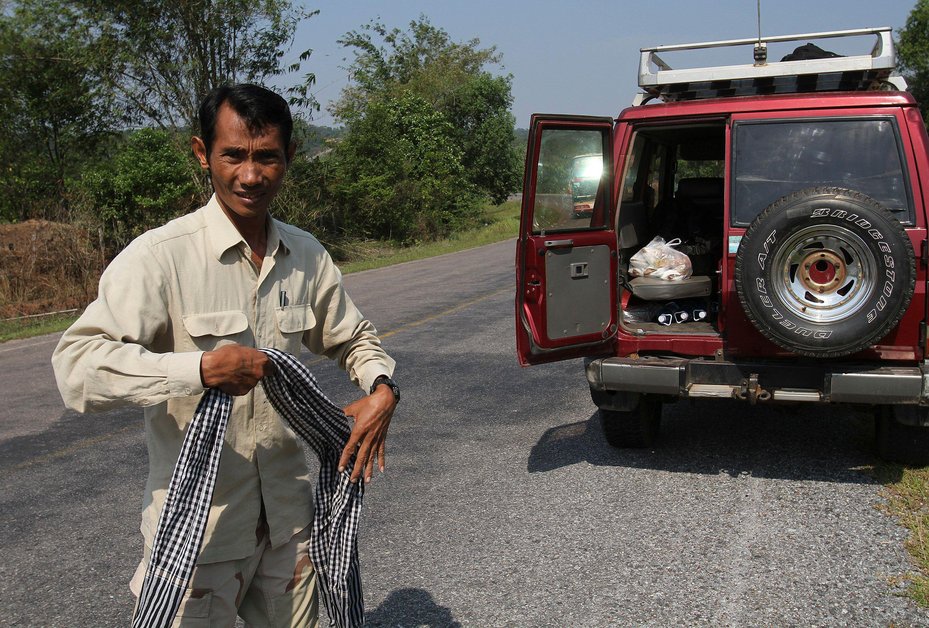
(384, 379)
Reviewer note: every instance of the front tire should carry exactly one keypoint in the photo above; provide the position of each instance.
(636, 428)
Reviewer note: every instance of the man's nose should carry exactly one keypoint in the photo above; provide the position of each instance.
(251, 173)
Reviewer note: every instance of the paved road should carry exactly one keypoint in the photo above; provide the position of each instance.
(502, 506)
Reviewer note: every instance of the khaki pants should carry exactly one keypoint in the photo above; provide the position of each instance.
(272, 588)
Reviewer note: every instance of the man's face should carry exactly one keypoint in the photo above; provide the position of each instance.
(247, 169)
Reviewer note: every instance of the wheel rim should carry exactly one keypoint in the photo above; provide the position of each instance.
(824, 273)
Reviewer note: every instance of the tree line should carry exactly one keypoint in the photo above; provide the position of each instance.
(913, 54)
(98, 100)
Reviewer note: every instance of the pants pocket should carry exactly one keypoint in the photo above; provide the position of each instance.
(195, 604)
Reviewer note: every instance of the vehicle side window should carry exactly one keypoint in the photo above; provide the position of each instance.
(644, 184)
(698, 168)
(775, 158)
(655, 189)
(570, 191)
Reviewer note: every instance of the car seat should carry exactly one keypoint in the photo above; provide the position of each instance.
(697, 216)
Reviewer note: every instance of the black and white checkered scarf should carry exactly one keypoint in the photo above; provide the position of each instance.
(296, 396)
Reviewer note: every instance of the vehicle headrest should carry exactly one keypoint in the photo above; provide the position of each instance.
(701, 187)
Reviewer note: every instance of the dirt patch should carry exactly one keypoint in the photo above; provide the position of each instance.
(45, 267)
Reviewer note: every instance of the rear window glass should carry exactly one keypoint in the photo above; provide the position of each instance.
(773, 159)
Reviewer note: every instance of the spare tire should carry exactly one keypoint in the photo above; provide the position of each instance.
(825, 272)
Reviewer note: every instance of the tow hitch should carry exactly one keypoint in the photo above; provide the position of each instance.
(752, 391)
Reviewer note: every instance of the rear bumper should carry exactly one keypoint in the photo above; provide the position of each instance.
(762, 381)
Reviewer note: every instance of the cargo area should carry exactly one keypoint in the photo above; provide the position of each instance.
(672, 189)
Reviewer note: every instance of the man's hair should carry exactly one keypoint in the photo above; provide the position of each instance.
(259, 107)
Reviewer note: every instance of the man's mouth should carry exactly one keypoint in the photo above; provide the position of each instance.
(249, 197)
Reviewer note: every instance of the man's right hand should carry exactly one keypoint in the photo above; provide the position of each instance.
(234, 369)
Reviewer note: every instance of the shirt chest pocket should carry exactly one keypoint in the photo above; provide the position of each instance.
(293, 321)
(215, 329)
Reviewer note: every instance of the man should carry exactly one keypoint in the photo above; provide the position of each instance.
(183, 308)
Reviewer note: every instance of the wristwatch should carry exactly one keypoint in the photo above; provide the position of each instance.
(383, 379)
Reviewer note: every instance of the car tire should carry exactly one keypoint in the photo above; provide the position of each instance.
(825, 272)
(634, 428)
(900, 443)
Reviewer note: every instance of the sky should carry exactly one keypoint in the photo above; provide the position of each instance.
(580, 57)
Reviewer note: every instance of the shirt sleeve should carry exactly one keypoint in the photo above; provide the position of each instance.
(107, 357)
(342, 333)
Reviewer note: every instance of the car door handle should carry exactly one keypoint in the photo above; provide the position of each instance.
(558, 244)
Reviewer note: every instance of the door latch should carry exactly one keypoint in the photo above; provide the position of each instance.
(579, 270)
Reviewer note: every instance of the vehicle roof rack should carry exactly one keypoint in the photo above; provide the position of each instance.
(858, 72)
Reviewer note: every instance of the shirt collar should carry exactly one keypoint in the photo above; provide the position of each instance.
(277, 238)
(223, 234)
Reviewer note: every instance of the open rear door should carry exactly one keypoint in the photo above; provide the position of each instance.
(566, 252)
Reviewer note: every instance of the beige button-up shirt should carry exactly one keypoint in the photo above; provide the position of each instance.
(189, 287)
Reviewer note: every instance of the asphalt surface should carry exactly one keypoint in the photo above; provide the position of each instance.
(501, 505)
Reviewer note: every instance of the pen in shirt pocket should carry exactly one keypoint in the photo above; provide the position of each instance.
(283, 298)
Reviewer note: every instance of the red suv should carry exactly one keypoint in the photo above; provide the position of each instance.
(794, 188)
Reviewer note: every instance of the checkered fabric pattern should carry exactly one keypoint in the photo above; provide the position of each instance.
(183, 517)
(296, 396)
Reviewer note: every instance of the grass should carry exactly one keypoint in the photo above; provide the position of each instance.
(14, 329)
(907, 493)
(500, 223)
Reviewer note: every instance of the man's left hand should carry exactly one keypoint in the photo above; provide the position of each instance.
(372, 416)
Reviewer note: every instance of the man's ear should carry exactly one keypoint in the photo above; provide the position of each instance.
(291, 151)
(199, 148)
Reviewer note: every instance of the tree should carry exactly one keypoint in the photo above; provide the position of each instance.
(398, 174)
(453, 79)
(485, 129)
(424, 61)
(53, 108)
(913, 53)
(165, 55)
(149, 180)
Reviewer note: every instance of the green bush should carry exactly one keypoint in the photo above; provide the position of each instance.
(399, 175)
(428, 136)
(149, 180)
(301, 201)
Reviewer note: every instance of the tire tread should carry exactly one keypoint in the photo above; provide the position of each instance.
(779, 205)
